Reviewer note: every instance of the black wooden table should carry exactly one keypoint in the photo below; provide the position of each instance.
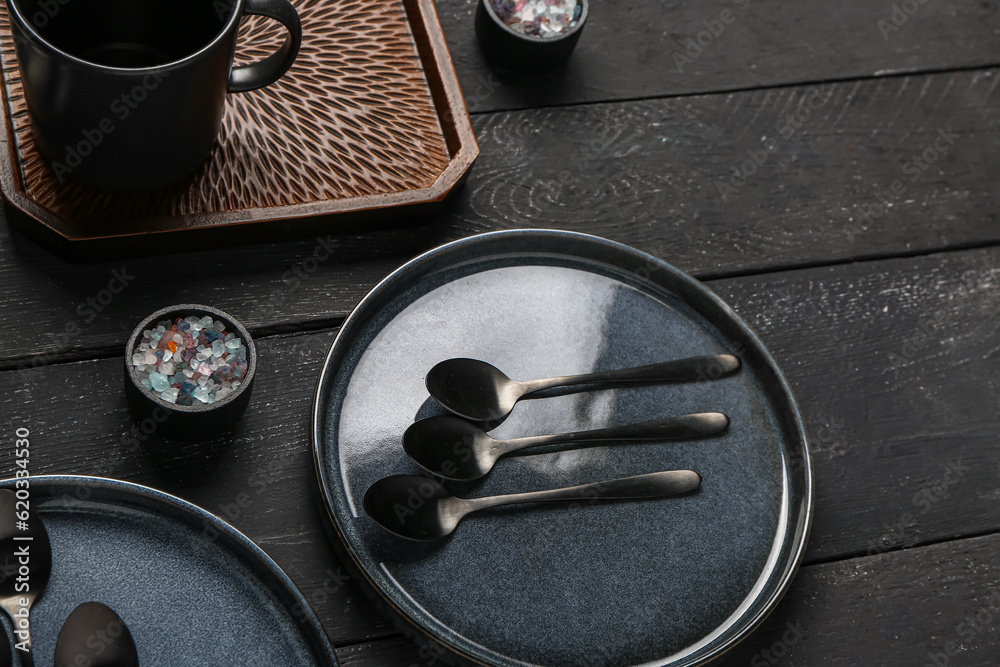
(829, 168)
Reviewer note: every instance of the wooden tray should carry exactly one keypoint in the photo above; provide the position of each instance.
(368, 124)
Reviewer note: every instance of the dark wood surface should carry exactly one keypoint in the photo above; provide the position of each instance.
(884, 320)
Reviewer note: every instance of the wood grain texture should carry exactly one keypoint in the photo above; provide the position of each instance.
(938, 605)
(644, 173)
(892, 362)
(627, 48)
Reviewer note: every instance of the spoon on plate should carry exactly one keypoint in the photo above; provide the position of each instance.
(24, 542)
(6, 656)
(481, 392)
(96, 636)
(456, 449)
(418, 508)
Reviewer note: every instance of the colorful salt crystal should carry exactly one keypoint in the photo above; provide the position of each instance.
(159, 381)
(170, 395)
(224, 374)
(218, 348)
(540, 18)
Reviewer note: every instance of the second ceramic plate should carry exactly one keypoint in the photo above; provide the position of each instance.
(662, 582)
(192, 589)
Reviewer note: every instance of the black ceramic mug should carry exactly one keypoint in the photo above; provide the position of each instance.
(128, 95)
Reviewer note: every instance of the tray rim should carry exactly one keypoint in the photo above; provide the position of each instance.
(446, 96)
(798, 531)
(260, 559)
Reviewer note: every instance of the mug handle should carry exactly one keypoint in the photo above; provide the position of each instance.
(272, 68)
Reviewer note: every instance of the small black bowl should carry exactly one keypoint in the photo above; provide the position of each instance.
(188, 422)
(506, 47)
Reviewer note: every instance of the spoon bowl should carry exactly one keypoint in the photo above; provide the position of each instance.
(451, 447)
(412, 506)
(22, 537)
(419, 508)
(456, 449)
(473, 389)
(95, 635)
(479, 391)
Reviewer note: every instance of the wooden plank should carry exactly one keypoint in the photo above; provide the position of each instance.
(647, 173)
(883, 359)
(890, 360)
(633, 49)
(937, 605)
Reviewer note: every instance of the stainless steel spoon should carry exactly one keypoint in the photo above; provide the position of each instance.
(456, 449)
(24, 543)
(418, 508)
(96, 636)
(479, 391)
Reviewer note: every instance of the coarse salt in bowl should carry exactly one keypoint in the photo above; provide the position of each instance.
(189, 370)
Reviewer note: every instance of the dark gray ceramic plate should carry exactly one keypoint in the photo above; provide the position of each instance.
(663, 582)
(192, 589)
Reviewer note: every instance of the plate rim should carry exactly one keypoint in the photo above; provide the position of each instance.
(800, 530)
(319, 641)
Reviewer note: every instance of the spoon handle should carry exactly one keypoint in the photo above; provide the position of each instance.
(651, 485)
(27, 659)
(709, 367)
(698, 425)
(12, 608)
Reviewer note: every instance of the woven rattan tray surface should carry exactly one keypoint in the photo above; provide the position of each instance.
(369, 118)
